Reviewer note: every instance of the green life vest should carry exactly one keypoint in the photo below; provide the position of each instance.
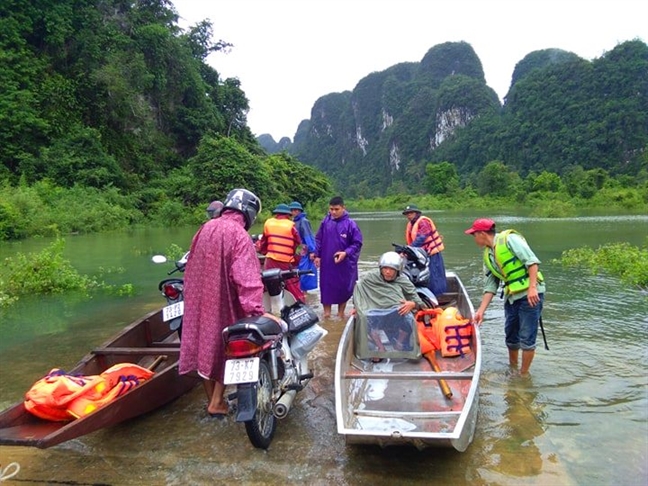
(513, 274)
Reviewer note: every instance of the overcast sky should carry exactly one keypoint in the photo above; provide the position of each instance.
(289, 53)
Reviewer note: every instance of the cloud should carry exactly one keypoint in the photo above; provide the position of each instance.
(288, 53)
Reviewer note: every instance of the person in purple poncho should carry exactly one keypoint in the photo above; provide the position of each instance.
(337, 249)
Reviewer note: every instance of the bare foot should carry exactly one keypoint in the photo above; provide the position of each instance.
(327, 316)
(221, 408)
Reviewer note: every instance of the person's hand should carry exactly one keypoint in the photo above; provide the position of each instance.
(406, 307)
(532, 296)
(339, 256)
(479, 317)
(353, 312)
(317, 261)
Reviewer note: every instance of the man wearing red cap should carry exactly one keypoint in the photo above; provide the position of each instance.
(509, 261)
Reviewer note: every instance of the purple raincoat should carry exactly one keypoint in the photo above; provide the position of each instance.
(337, 280)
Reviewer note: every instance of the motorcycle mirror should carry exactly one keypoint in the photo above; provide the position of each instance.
(159, 259)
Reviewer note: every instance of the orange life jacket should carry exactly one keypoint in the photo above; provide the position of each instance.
(456, 333)
(432, 244)
(443, 329)
(60, 396)
(280, 240)
(428, 329)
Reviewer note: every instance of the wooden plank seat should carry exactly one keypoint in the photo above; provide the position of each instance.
(128, 351)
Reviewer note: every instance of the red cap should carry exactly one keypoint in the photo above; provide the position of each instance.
(482, 224)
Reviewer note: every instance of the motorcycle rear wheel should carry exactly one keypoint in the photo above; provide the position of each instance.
(262, 427)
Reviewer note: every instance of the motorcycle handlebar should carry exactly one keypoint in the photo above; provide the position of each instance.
(404, 249)
(178, 268)
(286, 274)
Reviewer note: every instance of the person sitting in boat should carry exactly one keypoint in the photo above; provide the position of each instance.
(384, 300)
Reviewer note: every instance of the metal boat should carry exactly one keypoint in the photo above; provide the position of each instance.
(402, 401)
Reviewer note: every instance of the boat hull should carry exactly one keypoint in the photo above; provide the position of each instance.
(147, 342)
(400, 401)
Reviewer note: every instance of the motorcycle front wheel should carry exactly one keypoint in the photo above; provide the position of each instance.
(261, 428)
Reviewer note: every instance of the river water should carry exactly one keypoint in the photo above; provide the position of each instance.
(581, 418)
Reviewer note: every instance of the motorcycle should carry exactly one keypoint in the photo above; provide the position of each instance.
(173, 291)
(416, 268)
(268, 362)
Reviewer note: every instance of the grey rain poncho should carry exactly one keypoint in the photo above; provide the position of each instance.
(376, 303)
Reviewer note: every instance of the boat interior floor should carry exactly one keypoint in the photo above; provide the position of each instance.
(406, 395)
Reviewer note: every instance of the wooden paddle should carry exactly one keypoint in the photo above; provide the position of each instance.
(157, 361)
(445, 389)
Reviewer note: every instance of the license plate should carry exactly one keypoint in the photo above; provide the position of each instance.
(172, 311)
(241, 371)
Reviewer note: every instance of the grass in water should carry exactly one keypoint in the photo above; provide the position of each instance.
(623, 260)
(47, 272)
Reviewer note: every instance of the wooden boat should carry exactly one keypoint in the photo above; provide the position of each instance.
(400, 401)
(147, 342)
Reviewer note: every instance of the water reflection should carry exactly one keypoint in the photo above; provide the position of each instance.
(516, 451)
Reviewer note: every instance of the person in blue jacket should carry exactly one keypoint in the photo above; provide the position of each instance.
(306, 282)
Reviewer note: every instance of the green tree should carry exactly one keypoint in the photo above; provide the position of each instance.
(296, 181)
(441, 178)
(222, 164)
(543, 182)
(496, 179)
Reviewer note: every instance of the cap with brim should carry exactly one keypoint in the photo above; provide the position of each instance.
(482, 224)
(296, 205)
(412, 208)
(281, 209)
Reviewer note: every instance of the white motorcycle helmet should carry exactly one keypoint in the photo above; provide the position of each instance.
(391, 259)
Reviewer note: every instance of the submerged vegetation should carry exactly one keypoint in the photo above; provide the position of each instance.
(623, 260)
(47, 272)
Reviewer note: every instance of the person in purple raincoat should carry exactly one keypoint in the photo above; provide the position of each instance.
(337, 249)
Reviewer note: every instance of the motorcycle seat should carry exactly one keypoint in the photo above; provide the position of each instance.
(265, 325)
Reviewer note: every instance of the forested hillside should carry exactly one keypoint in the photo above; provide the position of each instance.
(110, 104)
(110, 116)
(563, 115)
